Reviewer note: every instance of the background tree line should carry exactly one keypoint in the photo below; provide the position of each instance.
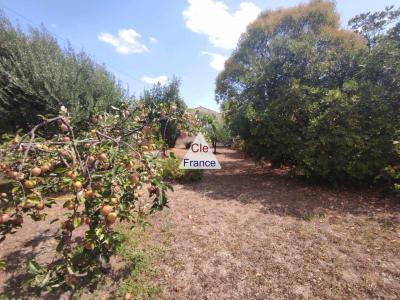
(37, 77)
(301, 91)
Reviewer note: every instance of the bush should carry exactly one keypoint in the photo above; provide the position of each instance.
(171, 172)
(300, 91)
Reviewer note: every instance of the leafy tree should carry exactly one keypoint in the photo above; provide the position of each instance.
(168, 98)
(215, 130)
(37, 77)
(301, 91)
(107, 173)
(373, 25)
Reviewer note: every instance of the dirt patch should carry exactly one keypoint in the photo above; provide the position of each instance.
(247, 232)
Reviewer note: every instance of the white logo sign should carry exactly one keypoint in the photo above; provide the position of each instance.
(200, 156)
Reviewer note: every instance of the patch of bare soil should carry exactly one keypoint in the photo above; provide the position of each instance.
(247, 232)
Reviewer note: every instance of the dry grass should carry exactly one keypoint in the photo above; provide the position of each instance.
(246, 232)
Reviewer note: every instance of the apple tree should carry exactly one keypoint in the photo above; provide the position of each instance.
(106, 175)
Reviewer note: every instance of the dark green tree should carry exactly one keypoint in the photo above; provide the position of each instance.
(37, 77)
(299, 90)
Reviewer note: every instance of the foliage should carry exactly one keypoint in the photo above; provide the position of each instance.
(107, 171)
(37, 77)
(215, 130)
(168, 98)
(300, 91)
(172, 172)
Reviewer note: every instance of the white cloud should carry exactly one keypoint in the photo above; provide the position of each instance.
(217, 60)
(153, 80)
(153, 40)
(213, 19)
(126, 42)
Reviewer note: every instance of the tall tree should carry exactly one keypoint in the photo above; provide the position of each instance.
(302, 91)
(37, 77)
(168, 97)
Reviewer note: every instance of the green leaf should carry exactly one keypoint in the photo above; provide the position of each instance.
(33, 266)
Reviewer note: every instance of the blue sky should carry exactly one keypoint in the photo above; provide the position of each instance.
(149, 40)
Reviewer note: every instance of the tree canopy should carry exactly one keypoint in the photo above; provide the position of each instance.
(37, 77)
(300, 90)
(167, 97)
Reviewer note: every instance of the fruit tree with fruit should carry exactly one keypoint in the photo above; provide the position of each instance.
(106, 175)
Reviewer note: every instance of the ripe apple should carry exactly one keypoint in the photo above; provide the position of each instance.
(71, 206)
(102, 157)
(40, 206)
(140, 193)
(66, 139)
(4, 218)
(105, 210)
(91, 159)
(29, 184)
(172, 108)
(3, 195)
(89, 194)
(12, 174)
(114, 200)
(111, 217)
(87, 221)
(64, 153)
(77, 185)
(86, 146)
(36, 171)
(45, 168)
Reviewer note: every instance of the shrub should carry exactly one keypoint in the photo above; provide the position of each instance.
(171, 172)
(300, 91)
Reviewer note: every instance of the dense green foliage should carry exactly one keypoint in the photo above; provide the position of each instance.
(168, 97)
(301, 91)
(37, 77)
